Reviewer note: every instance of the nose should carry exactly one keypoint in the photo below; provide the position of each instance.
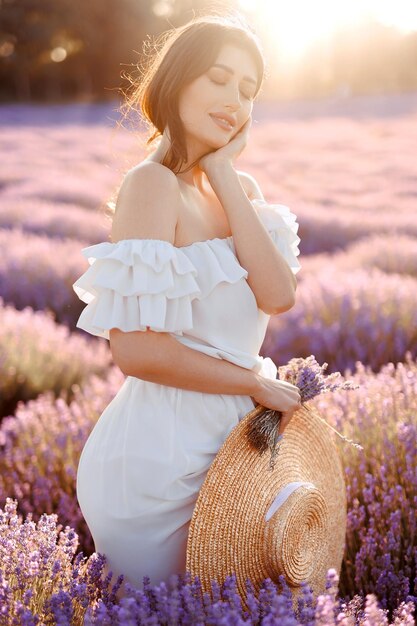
(233, 101)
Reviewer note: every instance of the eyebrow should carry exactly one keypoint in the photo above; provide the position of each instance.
(229, 69)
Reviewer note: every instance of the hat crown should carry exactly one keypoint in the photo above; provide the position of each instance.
(295, 533)
(282, 496)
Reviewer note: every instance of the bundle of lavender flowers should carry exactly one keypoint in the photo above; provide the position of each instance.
(309, 377)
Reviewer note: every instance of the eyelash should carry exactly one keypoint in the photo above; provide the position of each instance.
(217, 83)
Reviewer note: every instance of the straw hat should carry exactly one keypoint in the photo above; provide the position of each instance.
(260, 523)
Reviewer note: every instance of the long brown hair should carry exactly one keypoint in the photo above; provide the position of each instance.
(182, 55)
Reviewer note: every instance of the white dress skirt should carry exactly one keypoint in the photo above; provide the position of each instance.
(144, 462)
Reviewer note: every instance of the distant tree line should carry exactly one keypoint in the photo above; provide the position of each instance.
(371, 58)
(61, 49)
(57, 50)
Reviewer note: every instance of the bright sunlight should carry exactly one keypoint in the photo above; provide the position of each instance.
(292, 27)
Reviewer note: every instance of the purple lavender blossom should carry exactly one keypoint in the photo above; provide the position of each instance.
(346, 317)
(38, 271)
(40, 448)
(38, 355)
(56, 221)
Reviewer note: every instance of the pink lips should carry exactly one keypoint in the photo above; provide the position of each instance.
(221, 123)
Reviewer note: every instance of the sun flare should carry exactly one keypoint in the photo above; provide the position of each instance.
(293, 27)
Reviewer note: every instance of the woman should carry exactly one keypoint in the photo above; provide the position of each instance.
(197, 264)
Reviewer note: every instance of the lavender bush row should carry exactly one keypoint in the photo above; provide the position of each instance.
(43, 582)
(36, 355)
(182, 601)
(73, 164)
(393, 254)
(66, 188)
(55, 220)
(381, 540)
(336, 164)
(40, 447)
(40, 580)
(344, 317)
(324, 231)
(37, 271)
(63, 184)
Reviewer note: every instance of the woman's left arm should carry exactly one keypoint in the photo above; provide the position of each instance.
(269, 276)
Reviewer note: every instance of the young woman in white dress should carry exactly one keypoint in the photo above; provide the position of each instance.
(197, 263)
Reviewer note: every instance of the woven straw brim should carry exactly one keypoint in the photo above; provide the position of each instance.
(228, 532)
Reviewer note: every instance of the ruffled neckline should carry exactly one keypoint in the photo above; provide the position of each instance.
(190, 245)
(209, 261)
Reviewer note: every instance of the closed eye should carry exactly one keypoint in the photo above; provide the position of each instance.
(243, 94)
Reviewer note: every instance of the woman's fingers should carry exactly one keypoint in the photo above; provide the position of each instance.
(286, 418)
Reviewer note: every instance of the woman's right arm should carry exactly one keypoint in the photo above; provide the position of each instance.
(160, 358)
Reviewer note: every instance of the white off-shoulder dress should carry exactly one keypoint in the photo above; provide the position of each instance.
(147, 456)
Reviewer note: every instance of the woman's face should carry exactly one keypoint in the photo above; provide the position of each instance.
(218, 90)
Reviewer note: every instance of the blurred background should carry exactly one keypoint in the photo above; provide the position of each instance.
(55, 50)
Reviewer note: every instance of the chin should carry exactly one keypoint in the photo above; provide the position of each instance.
(212, 143)
(219, 143)
(209, 142)
(217, 140)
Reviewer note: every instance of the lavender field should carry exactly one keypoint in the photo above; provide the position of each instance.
(347, 170)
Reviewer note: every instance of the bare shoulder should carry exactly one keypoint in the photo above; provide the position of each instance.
(147, 205)
(153, 167)
(250, 185)
(149, 176)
